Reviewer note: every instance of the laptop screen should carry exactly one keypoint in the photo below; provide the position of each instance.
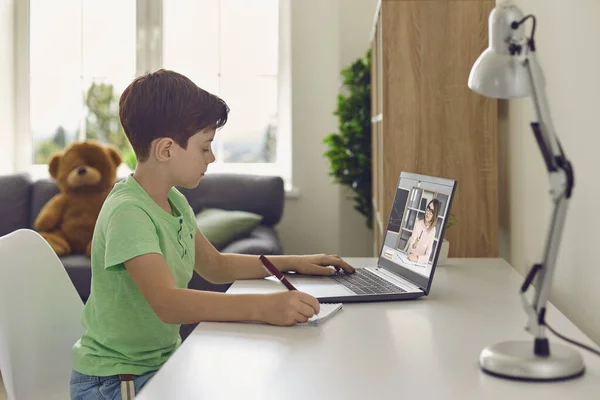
(416, 227)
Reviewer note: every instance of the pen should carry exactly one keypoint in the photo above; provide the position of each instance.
(272, 270)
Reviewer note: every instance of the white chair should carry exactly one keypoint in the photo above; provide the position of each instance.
(40, 313)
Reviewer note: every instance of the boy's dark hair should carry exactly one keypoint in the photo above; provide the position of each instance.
(167, 104)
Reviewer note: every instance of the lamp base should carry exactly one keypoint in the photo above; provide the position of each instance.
(516, 360)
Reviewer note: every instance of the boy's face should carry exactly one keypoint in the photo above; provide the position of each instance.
(189, 165)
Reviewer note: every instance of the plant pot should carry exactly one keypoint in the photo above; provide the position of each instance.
(443, 256)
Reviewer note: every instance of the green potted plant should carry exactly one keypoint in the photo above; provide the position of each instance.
(443, 257)
(349, 150)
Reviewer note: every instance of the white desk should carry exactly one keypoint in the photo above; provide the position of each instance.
(416, 349)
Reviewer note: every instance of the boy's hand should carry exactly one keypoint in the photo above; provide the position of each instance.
(319, 265)
(287, 308)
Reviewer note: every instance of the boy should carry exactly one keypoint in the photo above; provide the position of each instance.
(146, 245)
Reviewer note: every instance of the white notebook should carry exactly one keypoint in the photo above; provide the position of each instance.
(327, 310)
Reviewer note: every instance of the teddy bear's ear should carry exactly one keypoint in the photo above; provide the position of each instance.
(53, 165)
(114, 154)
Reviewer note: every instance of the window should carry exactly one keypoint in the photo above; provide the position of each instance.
(82, 56)
(83, 53)
(230, 48)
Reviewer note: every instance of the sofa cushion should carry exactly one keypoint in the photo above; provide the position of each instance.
(263, 195)
(42, 191)
(15, 201)
(262, 240)
(222, 227)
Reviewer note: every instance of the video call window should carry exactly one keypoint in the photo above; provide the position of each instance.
(419, 212)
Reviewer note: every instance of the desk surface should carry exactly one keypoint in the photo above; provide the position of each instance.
(420, 349)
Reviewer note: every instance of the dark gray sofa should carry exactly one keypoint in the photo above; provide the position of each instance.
(21, 200)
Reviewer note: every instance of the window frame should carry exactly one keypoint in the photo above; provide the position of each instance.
(149, 57)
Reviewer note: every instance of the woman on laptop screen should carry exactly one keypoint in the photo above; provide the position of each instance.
(420, 243)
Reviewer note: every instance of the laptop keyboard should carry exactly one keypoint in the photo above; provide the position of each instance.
(364, 281)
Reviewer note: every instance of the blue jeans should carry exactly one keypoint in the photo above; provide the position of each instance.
(85, 387)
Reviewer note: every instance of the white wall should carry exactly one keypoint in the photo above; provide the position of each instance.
(7, 76)
(566, 39)
(311, 223)
(356, 24)
(326, 36)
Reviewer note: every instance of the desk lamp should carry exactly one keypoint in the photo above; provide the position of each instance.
(508, 68)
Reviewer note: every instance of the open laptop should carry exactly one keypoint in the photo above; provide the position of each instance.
(397, 275)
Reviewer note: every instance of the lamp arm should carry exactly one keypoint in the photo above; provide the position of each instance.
(561, 186)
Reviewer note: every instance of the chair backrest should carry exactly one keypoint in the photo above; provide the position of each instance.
(40, 313)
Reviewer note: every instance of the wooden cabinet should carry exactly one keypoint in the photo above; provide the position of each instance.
(426, 120)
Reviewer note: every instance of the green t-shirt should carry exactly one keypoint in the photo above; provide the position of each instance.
(122, 334)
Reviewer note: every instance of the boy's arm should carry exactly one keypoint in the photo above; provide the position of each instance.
(174, 305)
(226, 268)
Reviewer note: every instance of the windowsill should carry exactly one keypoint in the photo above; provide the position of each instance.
(292, 192)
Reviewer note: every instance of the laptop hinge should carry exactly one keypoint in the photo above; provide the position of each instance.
(399, 279)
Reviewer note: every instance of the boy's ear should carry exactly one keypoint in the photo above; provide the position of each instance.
(163, 149)
(53, 165)
(114, 154)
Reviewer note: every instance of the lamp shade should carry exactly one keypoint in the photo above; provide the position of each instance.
(497, 73)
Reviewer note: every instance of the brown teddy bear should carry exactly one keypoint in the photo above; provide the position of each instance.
(85, 172)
